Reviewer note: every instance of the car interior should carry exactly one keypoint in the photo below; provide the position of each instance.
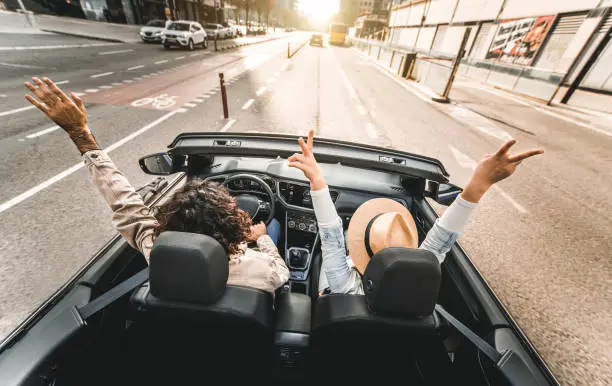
(185, 325)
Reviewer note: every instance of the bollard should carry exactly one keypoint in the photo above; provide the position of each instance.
(216, 44)
(223, 96)
(288, 49)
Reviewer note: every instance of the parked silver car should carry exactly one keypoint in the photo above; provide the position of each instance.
(152, 31)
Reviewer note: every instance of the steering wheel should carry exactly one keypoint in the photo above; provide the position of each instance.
(252, 204)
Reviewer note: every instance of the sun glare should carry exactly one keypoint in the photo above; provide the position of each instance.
(319, 10)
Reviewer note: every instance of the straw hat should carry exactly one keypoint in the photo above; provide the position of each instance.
(378, 224)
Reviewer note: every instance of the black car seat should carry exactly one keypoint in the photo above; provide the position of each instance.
(193, 327)
(390, 334)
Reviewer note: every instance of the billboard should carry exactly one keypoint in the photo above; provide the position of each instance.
(518, 40)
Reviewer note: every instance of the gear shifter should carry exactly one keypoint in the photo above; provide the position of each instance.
(298, 258)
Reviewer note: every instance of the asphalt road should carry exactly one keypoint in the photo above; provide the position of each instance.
(541, 238)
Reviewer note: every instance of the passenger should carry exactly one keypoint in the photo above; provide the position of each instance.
(199, 207)
(380, 223)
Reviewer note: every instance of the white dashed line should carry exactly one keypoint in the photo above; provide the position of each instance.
(22, 48)
(128, 81)
(212, 93)
(181, 110)
(42, 132)
(198, 100)
(106, 87)
(146, 76)
(194, 54)
(2, 114)
(189, 105)
(114, 52)
(135, 67)
(248, 104)
(179, 58)
(62, 82)
(261, 90)
(101, 75)
(91, 90)
(205, 96)
(276, 73)
(58, 177)
(228, 125)
(116, 84)
(138, 78)
(79, 94)
(575, 122)
(161, 62)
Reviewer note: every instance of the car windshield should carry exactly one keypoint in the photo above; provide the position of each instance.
(456, 81)
(156, 23)
(179, 27)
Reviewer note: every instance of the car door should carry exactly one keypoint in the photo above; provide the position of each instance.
(198, 33)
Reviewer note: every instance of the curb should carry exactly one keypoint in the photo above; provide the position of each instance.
(92, 37)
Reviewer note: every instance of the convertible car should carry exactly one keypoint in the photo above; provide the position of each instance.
(175, 321)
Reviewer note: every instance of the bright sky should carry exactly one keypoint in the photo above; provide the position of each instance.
(319, 10)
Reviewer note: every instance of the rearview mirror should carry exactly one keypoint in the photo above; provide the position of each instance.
(447, 193)
(157, 164)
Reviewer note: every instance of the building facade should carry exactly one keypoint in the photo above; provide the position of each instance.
(544, 48)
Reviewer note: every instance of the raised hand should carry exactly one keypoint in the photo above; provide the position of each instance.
(494, 168)
(257, 230)
(68, 113)
(307, 163)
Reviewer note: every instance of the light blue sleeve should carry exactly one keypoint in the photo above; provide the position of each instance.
(439, 241)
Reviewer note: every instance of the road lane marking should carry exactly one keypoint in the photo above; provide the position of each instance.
(248, 104)
(135, 67)
(161, 61)
(228, 125)
(114, 52)
(43, 132)
(261, 90)
(102, 74)
(276, 73)
(362, 110)
(179, 58)
(116, 84)
(468, 163)
(128, 81)
(62, 82)
(189, 105)
(205, 96)
(58, 177)
(198, 100)
(212, 93)
(15, 65)
(54, 47)
(15, 111)
(347, 83)
(91, 90)
(106, 87)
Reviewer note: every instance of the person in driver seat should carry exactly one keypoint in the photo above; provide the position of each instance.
(382, 222)
(198, 207)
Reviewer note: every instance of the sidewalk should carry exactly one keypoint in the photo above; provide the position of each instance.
(121, 33)
(492, 109)
(17, 23)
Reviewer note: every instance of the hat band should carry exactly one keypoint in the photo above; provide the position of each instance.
(366, 238)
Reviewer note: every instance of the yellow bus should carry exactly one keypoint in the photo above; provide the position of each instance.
(337, 33)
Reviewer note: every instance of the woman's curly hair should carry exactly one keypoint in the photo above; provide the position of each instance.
(205, 207)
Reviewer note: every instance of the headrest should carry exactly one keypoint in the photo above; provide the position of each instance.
(188, 267)
(402, 282)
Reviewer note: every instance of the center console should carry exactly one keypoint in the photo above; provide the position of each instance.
(301, 237)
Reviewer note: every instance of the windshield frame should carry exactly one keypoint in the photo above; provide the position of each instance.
(186, 27)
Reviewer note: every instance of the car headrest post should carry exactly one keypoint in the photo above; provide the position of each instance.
(402, 282)
(188, 267)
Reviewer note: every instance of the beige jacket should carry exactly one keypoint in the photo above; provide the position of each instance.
(261, 268)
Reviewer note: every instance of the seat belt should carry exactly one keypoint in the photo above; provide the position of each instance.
(513, 368)
(477, 341)
(109, 297)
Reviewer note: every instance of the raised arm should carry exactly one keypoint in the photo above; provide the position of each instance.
(489, 171)
(130, 216)
(340, 276)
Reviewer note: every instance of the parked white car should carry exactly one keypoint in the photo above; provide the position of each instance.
(152, 31)
(216, 31)
(184, 33)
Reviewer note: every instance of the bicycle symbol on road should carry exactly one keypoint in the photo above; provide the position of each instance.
(160, 102)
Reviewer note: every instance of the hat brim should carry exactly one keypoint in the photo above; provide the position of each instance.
(360, 220)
